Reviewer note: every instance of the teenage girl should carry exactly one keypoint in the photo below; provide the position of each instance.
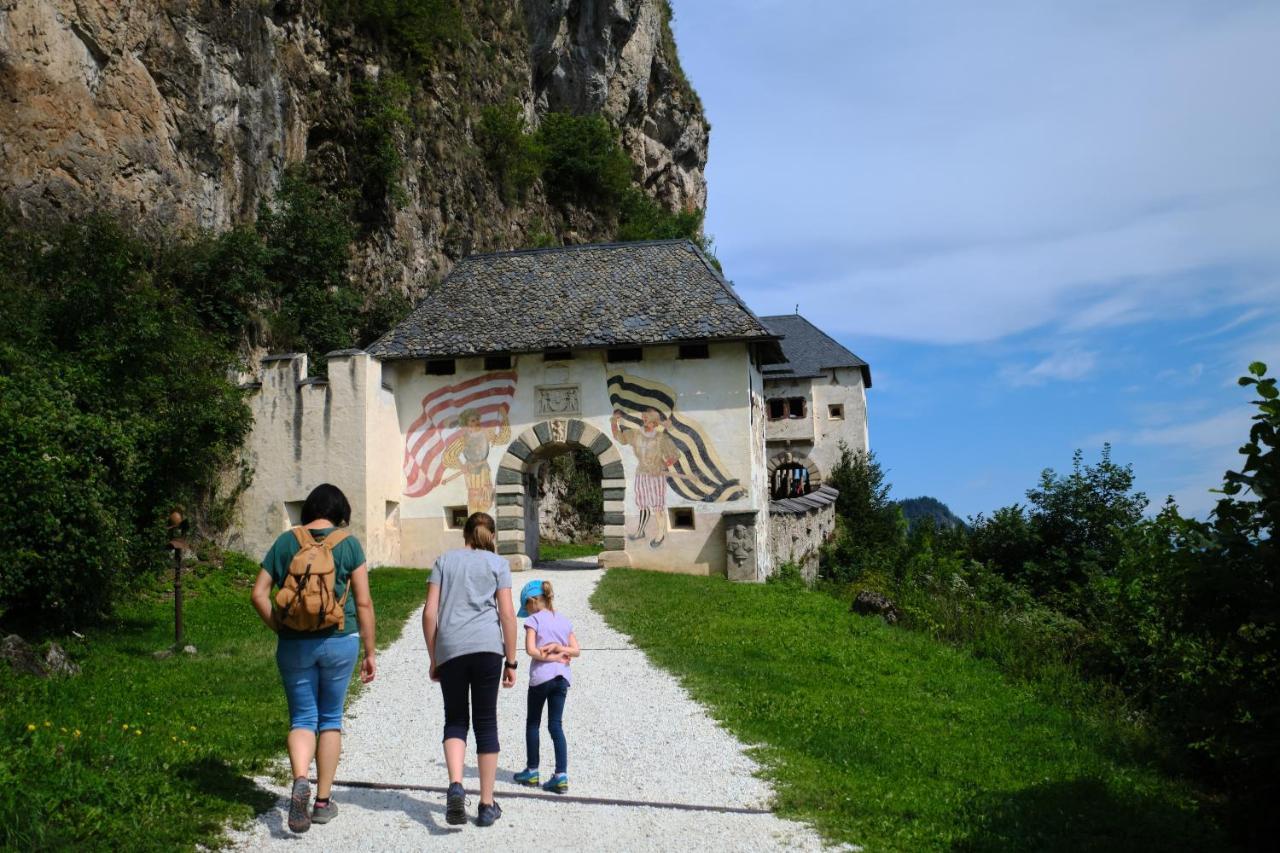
(551, 643)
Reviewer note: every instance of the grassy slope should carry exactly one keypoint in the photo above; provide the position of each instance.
(887, 739)
(138, 753)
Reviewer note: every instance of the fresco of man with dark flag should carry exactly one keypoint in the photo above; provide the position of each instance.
(696, 472)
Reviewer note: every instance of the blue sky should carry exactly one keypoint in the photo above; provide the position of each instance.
(1045, 225)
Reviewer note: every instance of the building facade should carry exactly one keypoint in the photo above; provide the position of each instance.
(639, 353)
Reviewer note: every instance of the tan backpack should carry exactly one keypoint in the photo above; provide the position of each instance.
(305, 601)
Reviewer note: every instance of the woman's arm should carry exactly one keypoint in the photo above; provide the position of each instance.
(359, 583)
(261, 598)
(430, 622)
(507, 616)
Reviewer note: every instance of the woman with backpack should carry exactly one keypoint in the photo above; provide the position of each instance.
(469, 624)
(323, 615)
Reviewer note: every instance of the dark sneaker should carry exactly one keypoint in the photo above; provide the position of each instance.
(299, 800)
(455, 805)
(323, 812)
(527, 777)
(489, 812)
(557, 784)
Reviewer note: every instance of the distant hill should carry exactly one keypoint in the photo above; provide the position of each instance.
(916, 510)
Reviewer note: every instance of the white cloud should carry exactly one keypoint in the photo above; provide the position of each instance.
(963, 173)
(1067, 366)
(1225, 430)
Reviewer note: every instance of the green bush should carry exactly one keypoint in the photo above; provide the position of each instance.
(514, 155)
(382, 121)
(116, 407)
(584, 162)
(414, 29)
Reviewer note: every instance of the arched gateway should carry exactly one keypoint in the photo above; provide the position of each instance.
(517, 489)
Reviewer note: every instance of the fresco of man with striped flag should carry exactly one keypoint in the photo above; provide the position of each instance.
(458, 425)
(671, 450)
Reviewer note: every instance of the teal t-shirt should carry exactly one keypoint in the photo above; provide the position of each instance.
(347, 557)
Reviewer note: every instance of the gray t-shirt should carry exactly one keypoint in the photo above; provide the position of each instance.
(468, 622)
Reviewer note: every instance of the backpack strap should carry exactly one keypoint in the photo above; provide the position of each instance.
(304, 537)
(334, 539)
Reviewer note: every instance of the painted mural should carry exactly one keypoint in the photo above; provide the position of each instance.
(458, 427)
(671, 450)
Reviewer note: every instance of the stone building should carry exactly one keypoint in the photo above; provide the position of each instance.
(814, 400)
(640, 353)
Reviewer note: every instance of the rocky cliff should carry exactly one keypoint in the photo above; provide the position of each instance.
(187, 112)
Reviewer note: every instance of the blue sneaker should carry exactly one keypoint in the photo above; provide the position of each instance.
(528, 777)
(455, 809)
(557, 784)
(488, 813)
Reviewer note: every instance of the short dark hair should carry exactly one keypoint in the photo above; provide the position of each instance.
(328, 502)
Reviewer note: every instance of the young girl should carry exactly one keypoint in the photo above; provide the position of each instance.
(551, 643)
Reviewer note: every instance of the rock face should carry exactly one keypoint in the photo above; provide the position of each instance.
(186, 113)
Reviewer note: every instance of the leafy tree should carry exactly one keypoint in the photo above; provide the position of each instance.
(514, 155)
(584, 162)
(870, 529)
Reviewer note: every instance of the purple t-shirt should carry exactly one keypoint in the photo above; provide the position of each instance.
(548, 627)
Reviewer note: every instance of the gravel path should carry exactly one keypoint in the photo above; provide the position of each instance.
(633, 733)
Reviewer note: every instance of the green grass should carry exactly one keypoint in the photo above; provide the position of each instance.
(889, 739)
(567, 550)
(138, 753)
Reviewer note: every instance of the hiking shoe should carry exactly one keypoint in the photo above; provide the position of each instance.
(299, 799)
(489, 812)
(557, 784)
(527, 777)
(324, 813)
(455, 805)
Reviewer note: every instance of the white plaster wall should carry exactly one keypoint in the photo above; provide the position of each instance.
(715, 392)
(818, 435)
(305, 434)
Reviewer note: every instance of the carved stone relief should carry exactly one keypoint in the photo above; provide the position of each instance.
(559, 400)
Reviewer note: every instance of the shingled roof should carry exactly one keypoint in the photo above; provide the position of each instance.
(602, 295)
(809, 351)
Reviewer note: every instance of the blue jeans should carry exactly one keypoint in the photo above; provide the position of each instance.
(316, 673)
(551, 693)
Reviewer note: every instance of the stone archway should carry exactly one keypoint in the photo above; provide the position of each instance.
(789, 458)
(515, 472)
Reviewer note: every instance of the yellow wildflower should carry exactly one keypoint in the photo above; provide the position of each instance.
(125, 727)
(47, 724)
(137, 731)
(64, 730)
(193, 728)
(76, 733)
(173, 737)
(31, 727)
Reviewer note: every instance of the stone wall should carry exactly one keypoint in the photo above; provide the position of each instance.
(798, 527)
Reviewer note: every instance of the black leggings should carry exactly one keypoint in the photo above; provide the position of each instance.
(480, 673)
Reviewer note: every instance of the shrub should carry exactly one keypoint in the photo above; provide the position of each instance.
(515, 156)
(382, 120)
(415, 29)
(584, 162)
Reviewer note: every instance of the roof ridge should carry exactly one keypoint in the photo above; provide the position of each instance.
(547, 250)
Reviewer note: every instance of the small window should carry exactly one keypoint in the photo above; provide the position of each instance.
(695, 351)
(442, 367)
(293, 513)
(835, 412)
(558, 355)
(777, 409)
(626, 354)
(497, 362)
(682, 518)
(456, 516)
(795, 407)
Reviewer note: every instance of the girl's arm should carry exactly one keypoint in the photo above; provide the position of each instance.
(507, 618)
(359, 582)
(531, 644)
(572, 649)
(261, 598)
(431, 621)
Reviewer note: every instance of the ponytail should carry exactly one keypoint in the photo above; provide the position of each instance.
(478, 532)
(548, 596)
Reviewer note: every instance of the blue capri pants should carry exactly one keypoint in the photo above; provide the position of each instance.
(316, 672)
